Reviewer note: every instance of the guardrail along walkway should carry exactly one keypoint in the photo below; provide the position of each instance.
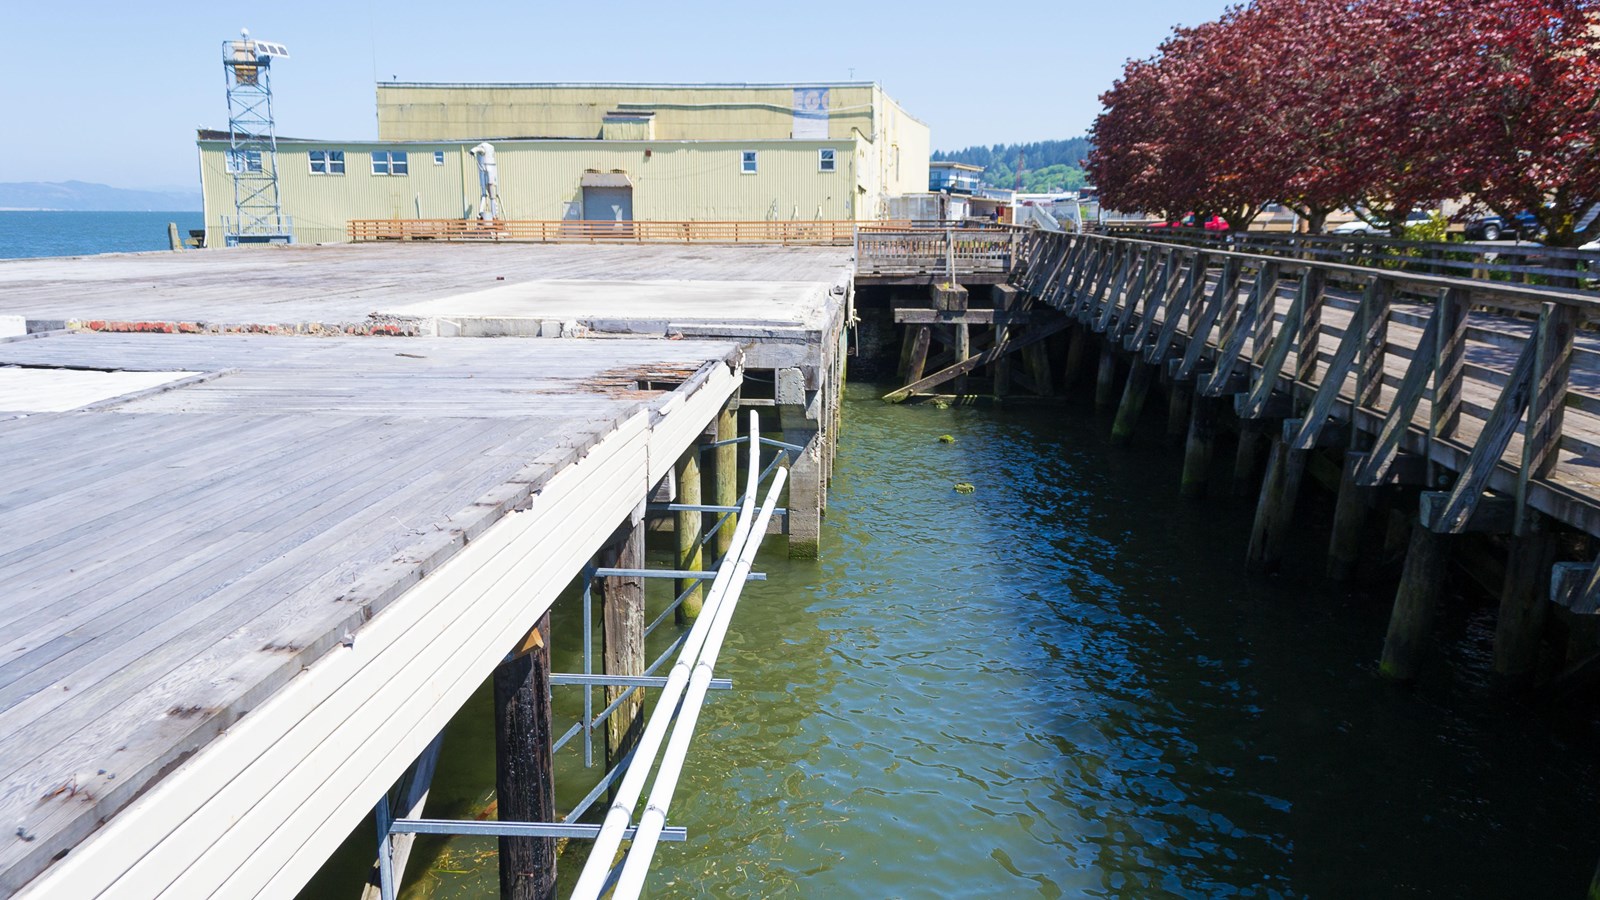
(1484, 397)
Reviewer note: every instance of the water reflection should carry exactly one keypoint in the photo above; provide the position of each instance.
(1062, 685)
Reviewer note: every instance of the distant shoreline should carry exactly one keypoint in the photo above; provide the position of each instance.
(57, 209)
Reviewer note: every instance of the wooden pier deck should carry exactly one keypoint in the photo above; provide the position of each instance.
(251, 575)
(1473, 405)
(257, 543)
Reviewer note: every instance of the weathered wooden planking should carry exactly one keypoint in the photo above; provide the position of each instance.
(170, 629)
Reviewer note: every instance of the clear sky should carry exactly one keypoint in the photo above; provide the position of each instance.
(112, 92)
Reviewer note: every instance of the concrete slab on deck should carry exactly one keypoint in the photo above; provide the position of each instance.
(346, 283)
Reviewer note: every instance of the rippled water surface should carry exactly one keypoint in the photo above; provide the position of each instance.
(1061, 685)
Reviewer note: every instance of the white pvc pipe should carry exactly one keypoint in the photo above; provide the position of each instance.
(592, 880)
(637, 865)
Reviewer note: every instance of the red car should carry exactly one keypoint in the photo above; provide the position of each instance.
(1215, 223)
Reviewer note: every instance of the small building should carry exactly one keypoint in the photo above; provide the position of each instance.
(954, 177)
(604, 152)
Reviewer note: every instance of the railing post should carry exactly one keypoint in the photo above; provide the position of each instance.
(1552, 365)
(1374, 343)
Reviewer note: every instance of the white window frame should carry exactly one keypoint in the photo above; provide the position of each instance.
(390, 162)
(438, 157)
(747, 162)
(231, 161)
(827, 160)
(331, 163)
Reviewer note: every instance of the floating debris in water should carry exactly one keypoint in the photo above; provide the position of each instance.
(947, 439)
(963, 487)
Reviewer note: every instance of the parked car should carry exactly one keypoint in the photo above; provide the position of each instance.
(1522, 226)
(1358, 226)
(1215, 223)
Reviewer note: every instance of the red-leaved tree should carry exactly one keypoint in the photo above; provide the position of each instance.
(1379, 105)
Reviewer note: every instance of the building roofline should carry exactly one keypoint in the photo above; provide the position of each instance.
(630, 84)
(211, 136)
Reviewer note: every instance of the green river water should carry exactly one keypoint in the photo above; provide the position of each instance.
(1062, 685)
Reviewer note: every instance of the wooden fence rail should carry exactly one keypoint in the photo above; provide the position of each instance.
(1518, 262)
(825, 232)
(1484, 396)
(953, 251)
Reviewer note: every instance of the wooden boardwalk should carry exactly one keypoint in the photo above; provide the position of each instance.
(1482, 399)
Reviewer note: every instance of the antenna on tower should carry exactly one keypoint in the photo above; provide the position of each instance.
(252, 157)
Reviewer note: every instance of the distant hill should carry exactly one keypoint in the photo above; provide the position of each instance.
(85, 197)
(1047, 165)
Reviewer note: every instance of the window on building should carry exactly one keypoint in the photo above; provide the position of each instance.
(747, 162)
(327, 162)
(438, 157)
(825, 160)
(243, 161)
(389, 162)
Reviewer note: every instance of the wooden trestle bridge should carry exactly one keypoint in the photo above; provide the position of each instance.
(1462, 405)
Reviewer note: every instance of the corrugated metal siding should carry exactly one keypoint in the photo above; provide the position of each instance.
(473, 112)
(681, 181)
(322, 204)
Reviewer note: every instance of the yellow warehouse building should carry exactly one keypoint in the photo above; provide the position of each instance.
(670, 153)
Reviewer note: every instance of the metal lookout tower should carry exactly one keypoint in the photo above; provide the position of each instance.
(252, 157)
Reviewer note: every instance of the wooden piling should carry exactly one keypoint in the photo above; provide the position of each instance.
(1132, 406)
(725, 471)
(1077, 352)
(963, 348)
(1105, 385)
(1247, 460)
(1524, 602)
(688, 528)
(1275, 508)
(1180, 398)
(173, 239)
(921, 340)
(524, 772)
(1412, 618)
(1349, 520)
(1198, 450)
(622, 608)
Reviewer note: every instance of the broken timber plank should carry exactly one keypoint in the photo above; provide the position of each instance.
(973, 362)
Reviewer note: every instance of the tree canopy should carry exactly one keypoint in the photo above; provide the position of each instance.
(1384, 105)
(1047, 165)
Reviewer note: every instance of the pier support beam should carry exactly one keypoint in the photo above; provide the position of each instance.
(688, 528)
(1349, 520)
(1414, 603)
(1197, 452)
(1275, 508)
(1105, 384)
(1247, 460)
(1077, 353)
(725, 473)
(798, 415)
(1524, 602)
(622, 608)
(1134, 393)
(524, 773)
(1180, 398)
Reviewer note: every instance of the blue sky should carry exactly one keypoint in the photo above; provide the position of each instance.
(111, 92)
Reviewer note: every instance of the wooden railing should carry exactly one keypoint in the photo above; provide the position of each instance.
(826, 232)
(1520, 262)
(950, 251)
(1498, 384)
(1468, 405)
